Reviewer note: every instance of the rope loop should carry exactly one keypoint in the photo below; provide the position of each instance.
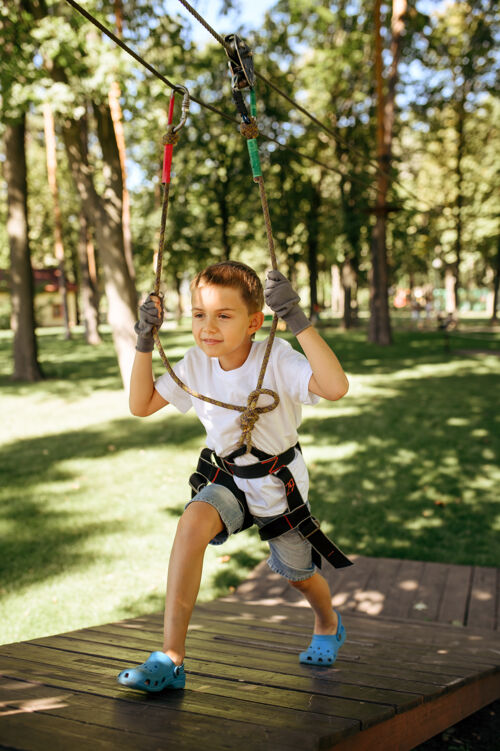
(252, 412)
(249, 130)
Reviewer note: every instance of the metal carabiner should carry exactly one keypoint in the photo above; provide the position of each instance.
(171, 134)
(184, 107)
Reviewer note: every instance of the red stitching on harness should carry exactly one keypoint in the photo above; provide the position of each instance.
(290, 486)
(273, 459)
(288, 521)
(227, 466)
(215, 476)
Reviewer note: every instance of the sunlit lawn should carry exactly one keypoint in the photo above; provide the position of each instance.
(405, 466)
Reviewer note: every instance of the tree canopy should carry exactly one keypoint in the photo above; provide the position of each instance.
(444, 170)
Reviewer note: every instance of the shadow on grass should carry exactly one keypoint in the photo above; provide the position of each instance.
(43, 540)
(405, 477)
(73, 365)
(239, 565)
(230, 575)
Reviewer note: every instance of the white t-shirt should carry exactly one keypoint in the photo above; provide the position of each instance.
(288, 373)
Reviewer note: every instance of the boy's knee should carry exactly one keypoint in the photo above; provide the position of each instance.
(200, 522)
(302, 585)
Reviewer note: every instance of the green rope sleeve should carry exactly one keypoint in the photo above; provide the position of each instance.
(253, 149)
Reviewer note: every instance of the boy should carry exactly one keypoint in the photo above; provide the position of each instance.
(227, 302)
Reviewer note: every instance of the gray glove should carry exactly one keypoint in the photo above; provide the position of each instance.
(148, 318)
(283, 300)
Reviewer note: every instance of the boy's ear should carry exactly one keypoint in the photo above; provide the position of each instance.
(255, 322)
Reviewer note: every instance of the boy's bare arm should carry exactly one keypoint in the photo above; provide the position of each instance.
(328, 379)
(144, 400)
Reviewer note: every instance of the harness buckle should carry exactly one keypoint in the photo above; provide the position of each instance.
(315, 524)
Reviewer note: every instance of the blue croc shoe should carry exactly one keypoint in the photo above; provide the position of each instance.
(157, 673)
(323, 649)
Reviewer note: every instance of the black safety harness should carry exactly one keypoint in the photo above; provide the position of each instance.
(221, 471)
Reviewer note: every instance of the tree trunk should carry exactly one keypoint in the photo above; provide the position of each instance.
(380, 324)
(460, 198)
(88, 283)
(337, 296)
(348, 285)
(104, 214)
(51, 152)
(116, 114)
(224, 215)
(179, 309)
(25, 354)
(312, 248)
(496, 284)
(449, 286)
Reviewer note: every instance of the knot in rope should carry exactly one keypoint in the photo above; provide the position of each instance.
(170, 136)
(249, 130)
(252, 412)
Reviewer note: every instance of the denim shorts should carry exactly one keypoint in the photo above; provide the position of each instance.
(291, 554)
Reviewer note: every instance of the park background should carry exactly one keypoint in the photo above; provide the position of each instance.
(385, 216)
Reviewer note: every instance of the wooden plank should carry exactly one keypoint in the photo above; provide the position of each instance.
(483, 598)
(39, 732)
(414, 667)
(395, 643)
(427, 662)
(401, 593)
(430, 592)
(348, 584)
(405, 731)
(222, 640)
(366, 586)
(262, 585)
(189, 714)
(379, 676)
(266, 587)
(376, 630)
(372, 600)
(103, 682)
(306, 679)
(239, 662)
(415, 631)
(163, 719)
(453, 607)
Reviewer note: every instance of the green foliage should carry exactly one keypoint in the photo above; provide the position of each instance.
(448, 144)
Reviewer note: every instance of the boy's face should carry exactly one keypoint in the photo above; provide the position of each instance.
(222, 325)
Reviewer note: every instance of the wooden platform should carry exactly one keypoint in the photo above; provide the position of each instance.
(428, 592)
(396, 683)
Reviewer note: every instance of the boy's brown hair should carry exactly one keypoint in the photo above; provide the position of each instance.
(237, 275)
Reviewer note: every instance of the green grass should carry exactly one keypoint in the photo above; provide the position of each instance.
(405, 466)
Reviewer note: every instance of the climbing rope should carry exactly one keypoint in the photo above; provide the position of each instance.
(251, 411)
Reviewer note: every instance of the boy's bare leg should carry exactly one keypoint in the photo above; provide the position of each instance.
(317, 593)
(199, 523)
